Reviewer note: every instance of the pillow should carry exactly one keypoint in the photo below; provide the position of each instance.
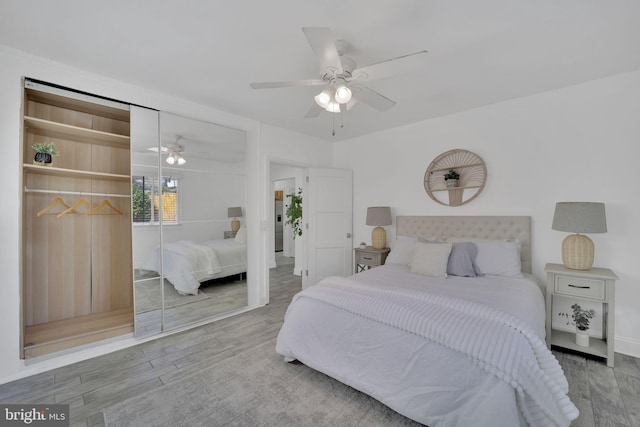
(401, 250)
(496, 258)
(461, 260)
(241, 235)
(430, 259)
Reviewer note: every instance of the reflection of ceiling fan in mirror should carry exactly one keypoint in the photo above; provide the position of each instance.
(174, 152)
(340, 77)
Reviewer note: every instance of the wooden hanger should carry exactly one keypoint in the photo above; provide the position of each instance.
(72, 209)
(57, 201)
(98, 210)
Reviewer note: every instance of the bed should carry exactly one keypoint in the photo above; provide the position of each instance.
(443, 351)
(186, 263)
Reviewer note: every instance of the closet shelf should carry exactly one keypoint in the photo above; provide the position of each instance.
(73, 173)
(77, 102)
(79, 134)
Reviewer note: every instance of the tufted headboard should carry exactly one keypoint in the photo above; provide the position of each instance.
(479, 227)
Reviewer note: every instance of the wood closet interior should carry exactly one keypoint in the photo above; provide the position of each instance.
(77, 276)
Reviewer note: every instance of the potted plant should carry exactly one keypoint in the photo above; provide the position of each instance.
(44, 152)
(451, 178)
(580, 318)
(294, 213)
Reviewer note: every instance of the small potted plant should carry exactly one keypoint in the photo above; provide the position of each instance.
(451, 178)
(581, 319)
(44, 152)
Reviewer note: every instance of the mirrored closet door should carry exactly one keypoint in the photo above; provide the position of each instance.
(188, 203)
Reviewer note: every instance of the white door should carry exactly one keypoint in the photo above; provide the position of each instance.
(327, 214)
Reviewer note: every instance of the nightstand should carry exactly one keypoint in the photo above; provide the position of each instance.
(370, 257)
(230, 234)
(596, 284)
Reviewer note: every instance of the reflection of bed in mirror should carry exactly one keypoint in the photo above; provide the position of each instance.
(186, 263)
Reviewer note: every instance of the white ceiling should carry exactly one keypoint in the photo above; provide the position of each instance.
(480, 52)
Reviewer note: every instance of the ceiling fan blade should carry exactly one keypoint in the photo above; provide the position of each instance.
(286, 83)
(163, 149)
(391, 67)
(371, 97)
(323, 43)
(314, 111)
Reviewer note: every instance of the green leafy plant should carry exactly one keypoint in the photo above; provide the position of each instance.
(451, 175)
(46, 148)
(294, 213)
(141, 204)
(580, 318)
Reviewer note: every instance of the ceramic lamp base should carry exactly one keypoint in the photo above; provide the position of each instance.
(235, 225)
(578, 252)
(379, 238)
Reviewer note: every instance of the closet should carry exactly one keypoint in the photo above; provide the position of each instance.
(77, 276)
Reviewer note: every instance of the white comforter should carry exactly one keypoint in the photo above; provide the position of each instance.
(186, 263)
(410, 342)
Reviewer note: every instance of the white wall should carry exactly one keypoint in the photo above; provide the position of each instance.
(15, 65)
(581, 143)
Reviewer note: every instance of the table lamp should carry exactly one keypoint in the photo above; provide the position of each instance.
(234, 213)
(579, 217)
(379, 216)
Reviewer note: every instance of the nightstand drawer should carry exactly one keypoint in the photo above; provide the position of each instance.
(579, 287)
(367, 258)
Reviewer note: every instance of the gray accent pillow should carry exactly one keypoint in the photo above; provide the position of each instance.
(461, 259)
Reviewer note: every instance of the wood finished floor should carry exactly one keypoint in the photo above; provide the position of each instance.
(605, 396)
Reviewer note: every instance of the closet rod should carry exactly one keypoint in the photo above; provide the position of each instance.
(75, 193)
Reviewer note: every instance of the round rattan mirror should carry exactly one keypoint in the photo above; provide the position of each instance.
(455, 177)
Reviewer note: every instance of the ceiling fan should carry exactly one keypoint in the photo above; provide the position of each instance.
(341, 78)
(174, 152)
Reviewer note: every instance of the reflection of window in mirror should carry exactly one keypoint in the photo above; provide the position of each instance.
(145, 195)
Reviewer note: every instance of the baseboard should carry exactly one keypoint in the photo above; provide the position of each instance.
(628, 346)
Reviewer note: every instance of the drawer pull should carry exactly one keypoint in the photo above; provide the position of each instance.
(367, 258)
(579, 287)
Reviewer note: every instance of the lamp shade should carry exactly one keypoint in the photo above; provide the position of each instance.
(379, 215)
(234, 212)
(580, 217)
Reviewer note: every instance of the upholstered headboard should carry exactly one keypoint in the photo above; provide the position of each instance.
(479, 227)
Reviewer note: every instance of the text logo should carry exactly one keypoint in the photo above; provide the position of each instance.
(34, 415)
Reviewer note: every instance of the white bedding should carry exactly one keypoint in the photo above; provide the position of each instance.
(424, 377)
(186, 263)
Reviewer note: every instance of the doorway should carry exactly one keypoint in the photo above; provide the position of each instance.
(285, 180)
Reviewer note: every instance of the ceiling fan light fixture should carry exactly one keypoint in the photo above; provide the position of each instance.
(343, 94)
(174, 158)
(323, 98)
(333, 107)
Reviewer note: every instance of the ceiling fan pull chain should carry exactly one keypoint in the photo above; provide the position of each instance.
(333, 124)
